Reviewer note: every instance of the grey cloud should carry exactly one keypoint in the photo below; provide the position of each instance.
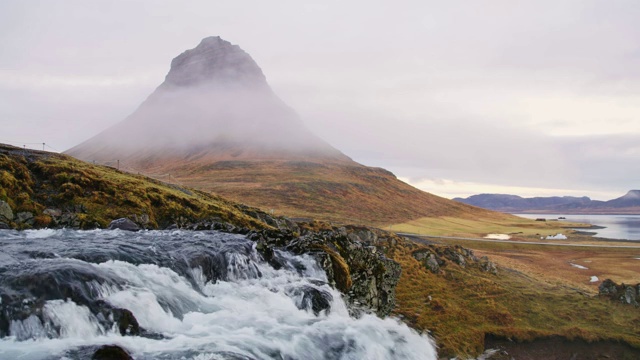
(433, 89)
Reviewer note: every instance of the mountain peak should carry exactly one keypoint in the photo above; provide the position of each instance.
(632, 194)
(214, 104)
(216, 62)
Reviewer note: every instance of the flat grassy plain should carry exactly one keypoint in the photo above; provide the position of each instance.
(516, 227)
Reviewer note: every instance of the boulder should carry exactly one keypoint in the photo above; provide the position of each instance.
(111, 352)
(313, 299)
(127, 323)
(69, 220)
(488, 265)
(428, 259)
(432, 264)
(24, 217)
(608, 287)
(54, 213)
(626, 294)
(630, 296)
(123, 224)
(5, 211)
(4, 226)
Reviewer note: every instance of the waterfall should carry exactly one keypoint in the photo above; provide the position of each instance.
(194, 295)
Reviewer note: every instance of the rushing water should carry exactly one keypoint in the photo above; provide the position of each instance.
(195, 295)
(625, 227)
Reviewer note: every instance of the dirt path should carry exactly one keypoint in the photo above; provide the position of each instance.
(425, 240)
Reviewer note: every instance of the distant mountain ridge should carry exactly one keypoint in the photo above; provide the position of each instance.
(216, 125)
(626, 204)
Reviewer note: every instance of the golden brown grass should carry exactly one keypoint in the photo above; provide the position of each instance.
(34, 180)
(337, 191)
(462, 305)
(517, 227)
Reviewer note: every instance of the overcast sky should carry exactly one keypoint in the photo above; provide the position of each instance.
(455, 97)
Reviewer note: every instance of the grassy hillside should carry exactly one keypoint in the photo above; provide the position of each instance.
(344, 192)
(462, 304)
(535, 292)
(46, 186)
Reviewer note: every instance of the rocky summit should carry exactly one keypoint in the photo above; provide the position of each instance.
(214, 104)
(216, 125)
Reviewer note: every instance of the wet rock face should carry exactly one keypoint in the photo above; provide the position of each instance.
(312, 298)
(626, 294)
(351, 259)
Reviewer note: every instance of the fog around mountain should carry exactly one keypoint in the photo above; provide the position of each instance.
(214, 100)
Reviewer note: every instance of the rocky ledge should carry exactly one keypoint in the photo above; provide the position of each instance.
(351, 256)
(626, 294)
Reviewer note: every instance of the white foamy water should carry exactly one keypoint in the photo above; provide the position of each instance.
(255, 315)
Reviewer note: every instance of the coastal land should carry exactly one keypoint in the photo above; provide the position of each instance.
(467, 294)
(214, 148)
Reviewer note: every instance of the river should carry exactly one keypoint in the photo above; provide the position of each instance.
(626, 227)
(194, 295)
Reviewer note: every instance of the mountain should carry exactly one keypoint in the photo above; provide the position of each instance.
(214, 104)
(627, 204)
(216, 125)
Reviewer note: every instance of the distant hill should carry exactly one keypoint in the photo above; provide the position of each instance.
(627, 204)
(216, 125)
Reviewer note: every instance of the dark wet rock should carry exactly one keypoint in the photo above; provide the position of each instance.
(127, 323)
(123, 224)
(5, 211)
(111, 352)
(350, 256)
(313, 299)
(4, 226)
(626, 294)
